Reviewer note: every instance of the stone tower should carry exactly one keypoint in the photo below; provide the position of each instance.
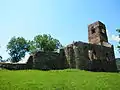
(97, 33)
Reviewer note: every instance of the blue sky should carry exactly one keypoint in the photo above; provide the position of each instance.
(66, 20)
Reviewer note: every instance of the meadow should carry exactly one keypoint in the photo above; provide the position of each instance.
(69, 79)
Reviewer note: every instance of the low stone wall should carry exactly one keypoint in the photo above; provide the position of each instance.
(41, 60)
(104, 66)
(11, 66)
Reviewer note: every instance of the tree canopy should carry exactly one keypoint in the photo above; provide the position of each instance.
(0, 58)
(44, 42)
(118, 30)
(17, 47)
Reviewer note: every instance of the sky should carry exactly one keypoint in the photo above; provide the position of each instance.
(66, 20)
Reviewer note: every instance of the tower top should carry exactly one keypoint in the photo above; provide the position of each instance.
(96, 24)
(97, 33)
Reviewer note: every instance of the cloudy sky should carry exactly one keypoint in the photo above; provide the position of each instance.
(66, 20)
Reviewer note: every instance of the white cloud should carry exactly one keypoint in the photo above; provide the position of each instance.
(115, 38)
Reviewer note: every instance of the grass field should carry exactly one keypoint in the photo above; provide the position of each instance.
(58, 80)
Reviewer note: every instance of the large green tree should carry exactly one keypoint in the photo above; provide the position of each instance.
(17, 47)
(118, 30)
(45, 42)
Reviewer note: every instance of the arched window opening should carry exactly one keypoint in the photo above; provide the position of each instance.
(93, 30)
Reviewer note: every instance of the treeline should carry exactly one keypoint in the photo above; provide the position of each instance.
(17, 47)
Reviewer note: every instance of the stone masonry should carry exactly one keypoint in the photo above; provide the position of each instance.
(97, 55)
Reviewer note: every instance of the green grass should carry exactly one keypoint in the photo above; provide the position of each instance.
(58, 80)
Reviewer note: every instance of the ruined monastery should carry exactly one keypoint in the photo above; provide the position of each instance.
(96, 55)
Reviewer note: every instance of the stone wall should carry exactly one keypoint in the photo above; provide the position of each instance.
(49, 60)
(97, 33)
(11, 66)
(78, 55)
(41, 60)
(93, 57)
(97, 55)
(29, 63)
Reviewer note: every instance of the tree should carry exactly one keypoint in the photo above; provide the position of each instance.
(17, 47)
(0, 58)
(46, 43)
(31, 47)
(118, 30)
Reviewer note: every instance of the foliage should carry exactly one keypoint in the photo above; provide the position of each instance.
(58, 80)
(118, 30)
(31, 46)
(44, 42)
(118, 63)
(0, 58)
(17, 47)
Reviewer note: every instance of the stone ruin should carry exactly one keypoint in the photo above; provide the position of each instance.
(97, 55)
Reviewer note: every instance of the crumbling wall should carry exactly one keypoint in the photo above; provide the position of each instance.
(97, 33)
(69, 52)
(45, 60)
(81, 55)
(49, 60)
(91, 57)
(104, 58)
(63, 60)
(41, 60)
(77, 55)
(11, 66)
(29, 63)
